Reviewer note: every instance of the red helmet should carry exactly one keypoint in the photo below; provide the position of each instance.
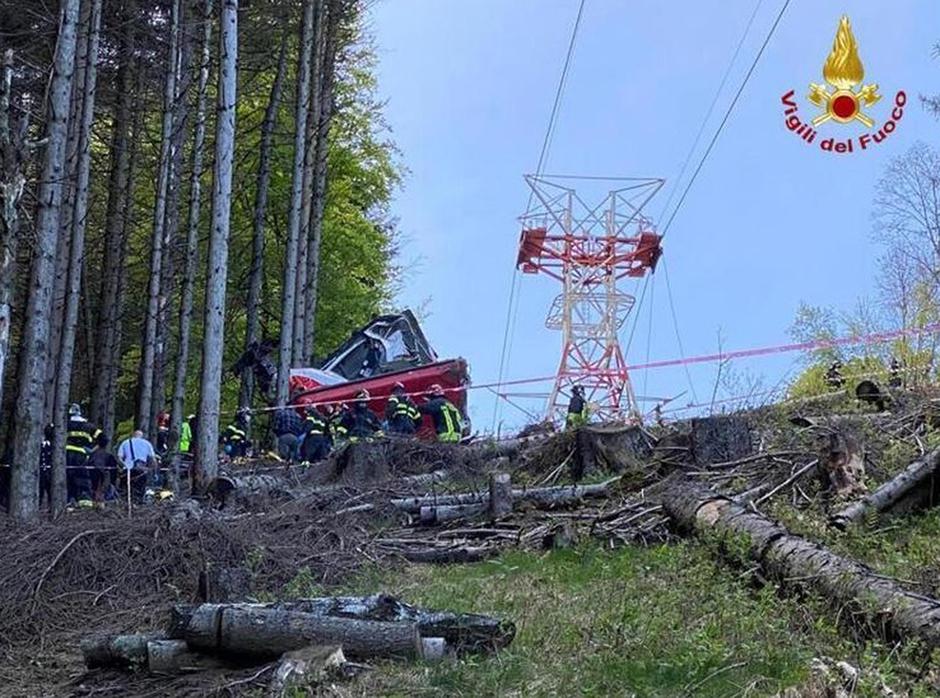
(436, 390)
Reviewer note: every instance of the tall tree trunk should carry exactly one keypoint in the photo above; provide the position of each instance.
(256, 275)
(159, 219)
(327, 79)
(63, 251)
(114, 237)
(192, 237)
(293, 216)
(297, 349)
(207, 449)
(79, 213)
(171, 241)
(12, 184)
(24, 481)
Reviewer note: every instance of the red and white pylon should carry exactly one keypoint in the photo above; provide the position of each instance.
(589, 249)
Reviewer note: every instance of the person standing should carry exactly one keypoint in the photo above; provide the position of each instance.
(577, 409)
(45, 465)
(359, 421)
(318, 436)
(104, 468)
(288, 427)
(138, 458)
(401, 413)
(79, 443)
(446, 417)
(235, 437)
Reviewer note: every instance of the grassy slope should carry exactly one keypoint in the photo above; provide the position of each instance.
(664, 621)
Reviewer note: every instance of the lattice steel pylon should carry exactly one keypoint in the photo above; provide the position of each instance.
(589, 249)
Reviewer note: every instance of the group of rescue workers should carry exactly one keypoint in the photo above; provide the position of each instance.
(93, 472)
(322, 427)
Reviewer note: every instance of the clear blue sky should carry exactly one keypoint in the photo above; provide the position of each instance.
(770, 221)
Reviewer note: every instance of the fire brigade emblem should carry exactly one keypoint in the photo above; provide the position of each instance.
(843, 70)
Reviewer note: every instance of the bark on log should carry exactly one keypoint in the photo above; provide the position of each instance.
(500, 495)
(465, 632)
(447, 556)
(117, 650)
(428, 516)
(792, 561)
(175, 657)
(259, 631)
(540, 495)
(912, 488)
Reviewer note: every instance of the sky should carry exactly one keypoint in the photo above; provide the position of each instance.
(769, 222)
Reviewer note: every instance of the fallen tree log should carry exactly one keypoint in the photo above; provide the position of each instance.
(541, 495)
(117, 650)
(463, 632)
(431, 515)
(175, 657)
(794, 561)
(912, 488)
(260, 631)
(448, 555)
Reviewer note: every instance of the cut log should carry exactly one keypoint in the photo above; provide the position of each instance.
(262, 632)
(125, 651)
(793, 561)
(429, 516)
(914, 487)
(302, 669)
(720, 438)
(500, 495)
(844, 464)
(175, 657)
(447, 556)
(547, 496)
(464, 632)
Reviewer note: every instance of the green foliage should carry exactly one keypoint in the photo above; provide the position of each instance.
(812, 381)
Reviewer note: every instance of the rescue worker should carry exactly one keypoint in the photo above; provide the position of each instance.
(446, 417)
(335, 416)
(577, 409)
(894, 380)
(79, 442)
(104, 468)
(401, 413)
(163, 432)
(186, 435)
(235, 437)
(359, 421)
(834, 377)
(45, 465)
(318, 436)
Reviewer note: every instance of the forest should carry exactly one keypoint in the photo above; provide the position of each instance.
(180, 179)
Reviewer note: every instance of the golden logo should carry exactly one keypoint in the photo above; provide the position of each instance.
(843, 70)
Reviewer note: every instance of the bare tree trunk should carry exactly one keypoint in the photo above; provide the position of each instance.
(24, 482)
(328, 76)
(63, 252)
(159, 220)
(172, 224)
(114, 238)
(214, 327)
(297, 350)
(192, 237)
(79, 212)
(293, 216)
(256, 275)
(12, 184)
